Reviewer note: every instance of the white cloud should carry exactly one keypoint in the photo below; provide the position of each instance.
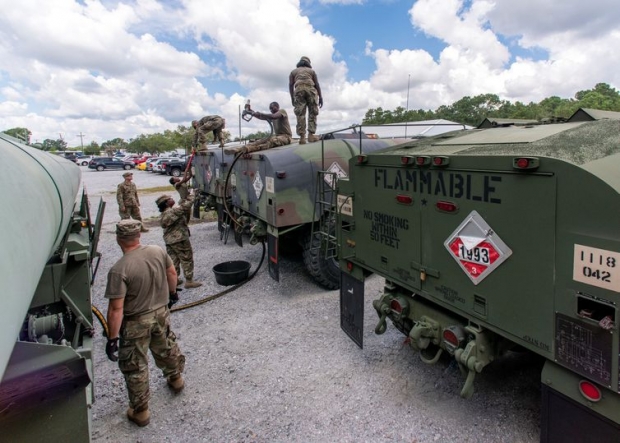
(110, 69)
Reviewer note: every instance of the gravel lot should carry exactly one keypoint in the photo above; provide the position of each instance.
(269, 362)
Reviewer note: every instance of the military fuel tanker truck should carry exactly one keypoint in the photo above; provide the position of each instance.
(48, 246)
(279, 195)
(496, 240)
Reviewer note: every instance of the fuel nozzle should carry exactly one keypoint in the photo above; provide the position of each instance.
(247, 111)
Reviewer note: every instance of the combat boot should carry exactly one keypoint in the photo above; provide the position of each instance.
(176, 383)
(179, 281)
(189, 284)
(313, 138)
(141, 418)
(302, 140)
(143, 229)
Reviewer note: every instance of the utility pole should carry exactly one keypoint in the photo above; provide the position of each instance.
(407, 111)
(82, 139)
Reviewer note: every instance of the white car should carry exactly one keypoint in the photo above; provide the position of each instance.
(157, 165)
(84, 160)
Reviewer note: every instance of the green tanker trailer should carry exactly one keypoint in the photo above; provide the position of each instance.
(495, 240)
(48, 245)
(272, 196)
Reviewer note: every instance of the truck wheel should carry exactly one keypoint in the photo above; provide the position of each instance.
(100, 168)
(176, 172)
(324, 270)
(126, 167)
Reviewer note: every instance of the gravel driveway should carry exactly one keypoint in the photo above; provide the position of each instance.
(269, 362)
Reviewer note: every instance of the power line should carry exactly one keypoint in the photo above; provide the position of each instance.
(81, 139)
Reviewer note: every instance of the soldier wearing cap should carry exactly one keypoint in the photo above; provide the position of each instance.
(205, 125)
(305, 90)
(140, 287)
(127, 199)
(176, 236)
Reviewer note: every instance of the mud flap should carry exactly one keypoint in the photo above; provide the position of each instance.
(272, 252)
(352, 308)
(574, 420)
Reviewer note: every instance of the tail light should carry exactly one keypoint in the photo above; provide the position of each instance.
(406, 160)
(362, 159)
(590, 391)
(453, 338)
(440, 161)
(404, 199)
(423, 160)
(525, 163)
(399, 306)
(445, 206)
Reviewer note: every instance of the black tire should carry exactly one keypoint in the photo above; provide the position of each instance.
(176, 172)
(84, 163)
(126, 167)
(100, 168)
(325, 271)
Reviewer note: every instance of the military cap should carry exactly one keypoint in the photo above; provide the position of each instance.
(128, 228)
(305, 59)
(162, 199)
(127, 174)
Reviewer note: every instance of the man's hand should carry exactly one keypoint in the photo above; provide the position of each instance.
(173, 299)
(111, 349)
(121, 208)
(320, 102)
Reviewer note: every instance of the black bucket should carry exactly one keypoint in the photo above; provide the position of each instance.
(231, 272)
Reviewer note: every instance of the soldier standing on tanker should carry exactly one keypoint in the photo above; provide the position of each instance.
(141, 285)
(281, 128)
(176, 236)
(304, 87)
(205, 125)
(127, 199)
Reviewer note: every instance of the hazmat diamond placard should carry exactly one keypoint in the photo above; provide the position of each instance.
(477, 248)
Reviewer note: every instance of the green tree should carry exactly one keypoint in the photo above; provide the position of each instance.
(92, 148)
(22, 134)
(54, 145)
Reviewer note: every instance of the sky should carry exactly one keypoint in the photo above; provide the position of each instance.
(94, 70)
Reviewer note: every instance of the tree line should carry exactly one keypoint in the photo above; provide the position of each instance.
(473, 110)
(468, 110)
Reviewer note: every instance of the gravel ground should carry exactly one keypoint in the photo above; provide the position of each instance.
(269, 362)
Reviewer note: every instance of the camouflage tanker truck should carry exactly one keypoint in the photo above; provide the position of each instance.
(271, 195)
(48, 246)
(496, 240)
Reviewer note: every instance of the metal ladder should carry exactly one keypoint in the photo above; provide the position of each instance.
(325, 209)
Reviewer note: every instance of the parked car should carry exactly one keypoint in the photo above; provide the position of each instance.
(102, 163)
(151, 161)
(158, 165)
(175, 166)
(84, 160)
(141, 166)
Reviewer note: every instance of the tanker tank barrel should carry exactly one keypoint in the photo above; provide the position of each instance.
(39, 196)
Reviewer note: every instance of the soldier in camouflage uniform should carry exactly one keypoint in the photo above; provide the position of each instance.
(281, 128)
(305, 90)
(176, 236)
(140, 287)
(127, 198)
(205, 125)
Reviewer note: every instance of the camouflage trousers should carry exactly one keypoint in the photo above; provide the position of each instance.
(130, 211)
(306, 99)
(138, 335)
(216, 125)
(183, 257)
(272, 142)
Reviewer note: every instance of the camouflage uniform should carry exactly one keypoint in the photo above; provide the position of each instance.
(139, 277)
(176, 236)
(306, 95)
(128, 202)
(205, 125)
(183, 191)
(282, 137)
